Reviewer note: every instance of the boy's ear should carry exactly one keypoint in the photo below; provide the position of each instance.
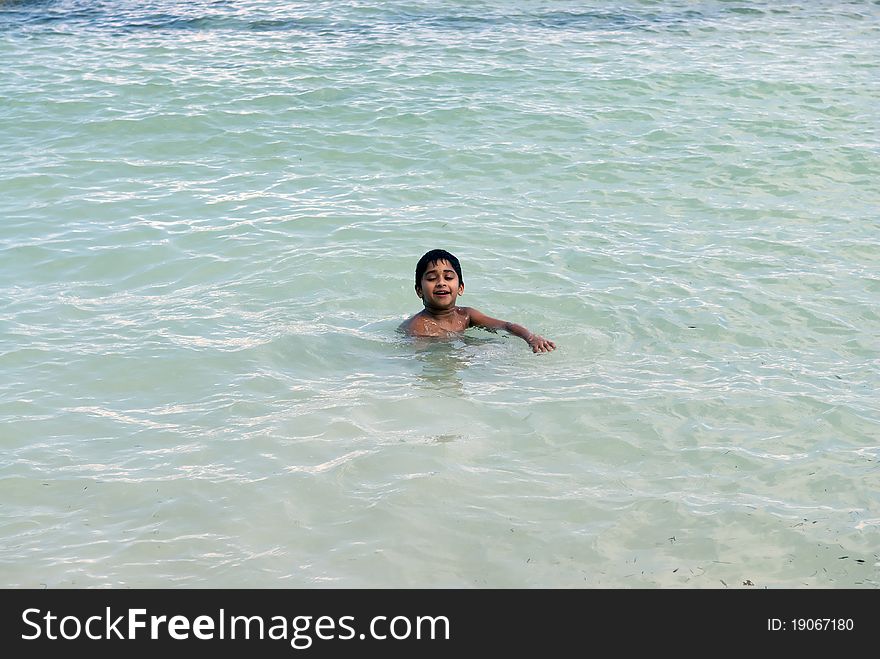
(418, 290)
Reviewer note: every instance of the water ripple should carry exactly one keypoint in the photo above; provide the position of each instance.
(211, 217)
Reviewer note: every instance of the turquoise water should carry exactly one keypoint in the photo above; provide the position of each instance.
(210, 213)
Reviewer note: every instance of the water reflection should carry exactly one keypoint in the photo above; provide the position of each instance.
(441, 362)
(444, 360)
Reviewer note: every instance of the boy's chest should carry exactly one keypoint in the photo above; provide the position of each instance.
(457, 322)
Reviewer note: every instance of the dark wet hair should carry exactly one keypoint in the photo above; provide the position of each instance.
(433, 257)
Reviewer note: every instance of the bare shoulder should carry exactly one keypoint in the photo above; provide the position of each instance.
(467, 313)
(413, 324)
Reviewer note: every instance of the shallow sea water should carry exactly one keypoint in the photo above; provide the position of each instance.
(210, 213)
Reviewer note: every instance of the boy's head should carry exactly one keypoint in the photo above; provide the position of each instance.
(433, 279)
(432, 258)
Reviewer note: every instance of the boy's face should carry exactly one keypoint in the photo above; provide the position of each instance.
(440, 286)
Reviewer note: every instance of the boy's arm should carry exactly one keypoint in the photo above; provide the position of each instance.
(536, 342)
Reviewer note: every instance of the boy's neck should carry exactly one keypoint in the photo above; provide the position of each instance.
(439, 313)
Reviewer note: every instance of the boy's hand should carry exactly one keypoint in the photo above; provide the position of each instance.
(540, 344)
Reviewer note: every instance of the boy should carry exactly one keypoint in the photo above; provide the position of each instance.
(439, 283)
